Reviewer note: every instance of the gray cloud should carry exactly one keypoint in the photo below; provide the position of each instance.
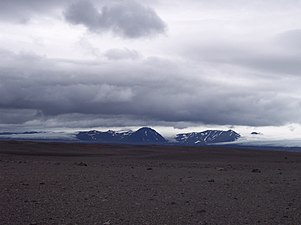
(22, 11)
(124, 18)
(290, 39)
(127, 18)
(120, 54)
(18, 116)
(278, 56)
(151, 91)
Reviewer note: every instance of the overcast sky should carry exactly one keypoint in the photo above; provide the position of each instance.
(166, 63)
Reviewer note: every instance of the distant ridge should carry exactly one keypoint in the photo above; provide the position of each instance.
(207, 137)
(146, 136)
(109, 136)
(15, 133)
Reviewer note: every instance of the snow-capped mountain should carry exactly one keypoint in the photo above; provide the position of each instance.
(144, 135)
(207, 137)
(109, 136)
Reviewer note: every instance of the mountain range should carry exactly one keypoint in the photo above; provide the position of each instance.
(17, 133)
(146, 135)
(207, 137)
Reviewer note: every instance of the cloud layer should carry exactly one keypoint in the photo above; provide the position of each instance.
(234, 63)
(153, 90)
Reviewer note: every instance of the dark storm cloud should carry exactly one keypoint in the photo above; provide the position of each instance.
(152, 90)
(17, 116)
(126, 18)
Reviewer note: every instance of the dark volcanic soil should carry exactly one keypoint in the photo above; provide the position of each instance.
(52, 183)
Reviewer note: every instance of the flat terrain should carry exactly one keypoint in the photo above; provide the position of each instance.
(54, 183)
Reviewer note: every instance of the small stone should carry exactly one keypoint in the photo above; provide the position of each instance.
(201, 211)
(256, 171)
(81, 164)
(203, 223)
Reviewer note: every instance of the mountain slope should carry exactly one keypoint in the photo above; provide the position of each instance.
(102, 137)
(207, 137)
(145, 135)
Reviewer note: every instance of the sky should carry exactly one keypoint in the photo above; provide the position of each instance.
(175, 65)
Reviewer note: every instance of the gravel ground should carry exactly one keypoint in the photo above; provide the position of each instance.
(53, 183)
